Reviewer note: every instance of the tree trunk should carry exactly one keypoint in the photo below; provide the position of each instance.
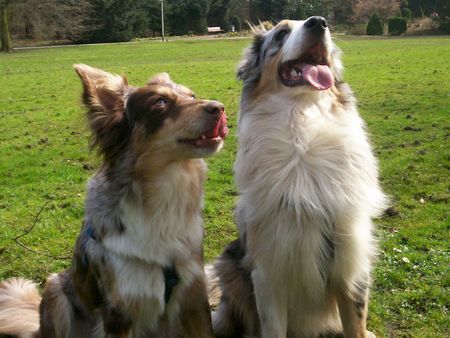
(5, 35)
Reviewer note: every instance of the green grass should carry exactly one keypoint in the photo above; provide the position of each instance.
(403, 87)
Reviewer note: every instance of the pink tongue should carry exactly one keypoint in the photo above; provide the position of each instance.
(320, 76)
(220, 129)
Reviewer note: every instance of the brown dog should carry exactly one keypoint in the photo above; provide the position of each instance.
(137, 268)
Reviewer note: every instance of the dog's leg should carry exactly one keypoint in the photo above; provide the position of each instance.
(117, 323)
(236, 315)
(195, 313)
(61, 312)
(56, 313)
(224, 321)
(271, 304)
(353, 310)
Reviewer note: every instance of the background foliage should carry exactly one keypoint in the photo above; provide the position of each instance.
(123, 20)
(375, 25)
(397, 26)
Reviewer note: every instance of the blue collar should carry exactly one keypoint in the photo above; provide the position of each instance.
(171, 280)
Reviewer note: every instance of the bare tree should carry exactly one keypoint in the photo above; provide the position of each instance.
(364, 9)
(5, 35)
(342, 11)
(51, 19)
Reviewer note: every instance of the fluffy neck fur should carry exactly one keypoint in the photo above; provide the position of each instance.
(315, 152)
(151, 214)
(308, 143)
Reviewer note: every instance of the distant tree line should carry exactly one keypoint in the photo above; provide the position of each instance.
(121, 20)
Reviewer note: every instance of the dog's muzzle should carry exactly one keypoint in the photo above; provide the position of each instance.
(316, 25)
(312, 66)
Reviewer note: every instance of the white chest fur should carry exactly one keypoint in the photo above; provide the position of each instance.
(162, 219)
(304, 172)
(162, 227)
(306, 157)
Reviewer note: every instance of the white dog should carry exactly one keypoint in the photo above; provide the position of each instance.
(308, 183)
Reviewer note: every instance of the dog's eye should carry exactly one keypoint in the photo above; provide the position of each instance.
(281, 34)
(193, 96)
(161, 102)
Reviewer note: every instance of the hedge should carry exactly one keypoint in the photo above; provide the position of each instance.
(375, 26)
(397, 26)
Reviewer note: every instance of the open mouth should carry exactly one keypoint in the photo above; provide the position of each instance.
(311, 68)
(212, 137)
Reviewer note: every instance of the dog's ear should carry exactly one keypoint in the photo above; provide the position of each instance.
(160, 79)
(104, 96)
(249, 68)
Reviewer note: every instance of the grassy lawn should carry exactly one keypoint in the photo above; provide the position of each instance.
(403, 86)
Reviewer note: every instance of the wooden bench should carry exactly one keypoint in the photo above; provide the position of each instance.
(215, 30)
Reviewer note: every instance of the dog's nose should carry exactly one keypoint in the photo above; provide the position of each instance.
(214, 108)
(316, 24)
